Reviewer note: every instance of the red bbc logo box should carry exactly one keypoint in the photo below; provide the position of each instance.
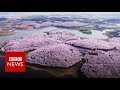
(15, 62)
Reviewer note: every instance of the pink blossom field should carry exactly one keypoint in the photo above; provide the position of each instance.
(63, 45)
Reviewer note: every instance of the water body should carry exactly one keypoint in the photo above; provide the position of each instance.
(95, 34)
(23, 33)
(2, 64)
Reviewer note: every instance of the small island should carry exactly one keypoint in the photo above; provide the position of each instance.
(86, 31)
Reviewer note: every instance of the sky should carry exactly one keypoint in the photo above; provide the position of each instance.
(19, 14)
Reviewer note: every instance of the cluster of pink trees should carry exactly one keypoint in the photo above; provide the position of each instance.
(46, 24)
(26, 44)
(101, 70)
(70, 24)
(103, 65)
(58, 55)
(62, 36)
(92, 44)
(30, 25)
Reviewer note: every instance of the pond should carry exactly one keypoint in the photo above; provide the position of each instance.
(23, 33)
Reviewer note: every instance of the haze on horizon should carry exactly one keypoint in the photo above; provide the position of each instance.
(20, 14)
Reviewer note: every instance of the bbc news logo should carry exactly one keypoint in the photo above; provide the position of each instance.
(15, 62)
